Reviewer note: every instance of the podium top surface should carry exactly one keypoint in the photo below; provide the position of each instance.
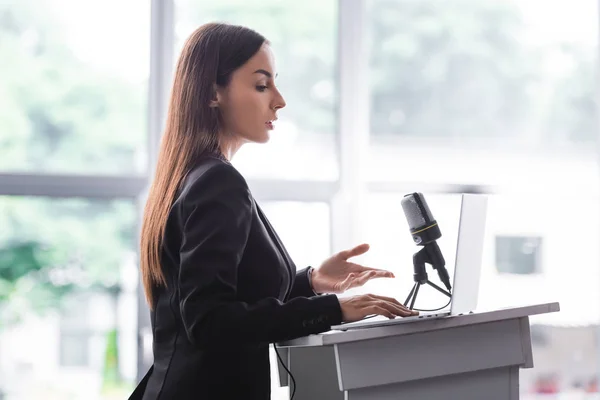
(424, 325)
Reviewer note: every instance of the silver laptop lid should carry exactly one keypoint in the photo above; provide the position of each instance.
(469, 253)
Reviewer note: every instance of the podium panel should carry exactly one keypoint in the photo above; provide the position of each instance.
(490, 384)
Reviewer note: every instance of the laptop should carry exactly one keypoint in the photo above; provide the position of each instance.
(467, 270)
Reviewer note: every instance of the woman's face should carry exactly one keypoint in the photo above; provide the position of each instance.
(249, 103)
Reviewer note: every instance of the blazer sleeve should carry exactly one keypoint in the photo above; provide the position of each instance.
(301, 286)
(216, 214)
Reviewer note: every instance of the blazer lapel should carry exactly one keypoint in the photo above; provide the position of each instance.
(288, 260)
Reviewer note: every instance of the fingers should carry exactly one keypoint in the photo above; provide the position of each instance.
(378, 273)
(346, 284)
(394, 309)
(400, 310)
(387, 309)
(390, 299)
(364, 278)
(355, 251)
(355, 280)
(357, 307)
(391, 305)
(379, 311)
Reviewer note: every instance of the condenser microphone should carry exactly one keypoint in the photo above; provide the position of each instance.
(425, 230)
(423, 227)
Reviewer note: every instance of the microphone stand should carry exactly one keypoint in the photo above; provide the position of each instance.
(428, 254)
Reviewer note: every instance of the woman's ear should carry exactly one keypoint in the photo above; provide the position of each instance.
(216, 97)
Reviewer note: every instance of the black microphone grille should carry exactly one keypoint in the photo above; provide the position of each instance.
(416, 210)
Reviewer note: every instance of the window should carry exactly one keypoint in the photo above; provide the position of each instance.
(304, 229)
(75, 101)
(456, 87)
(304, 38)
(74, 349)
(518, 254)
(493, 69)
(67, 283)
(75, 333)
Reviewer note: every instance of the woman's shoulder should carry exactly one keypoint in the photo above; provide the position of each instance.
(212, 174)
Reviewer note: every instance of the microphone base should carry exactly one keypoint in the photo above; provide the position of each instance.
(412, 296)
(431, 254)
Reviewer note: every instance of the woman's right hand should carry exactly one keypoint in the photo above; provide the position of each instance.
(356, 308)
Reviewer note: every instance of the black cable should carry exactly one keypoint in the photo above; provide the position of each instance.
(287, 370)
(435, 309)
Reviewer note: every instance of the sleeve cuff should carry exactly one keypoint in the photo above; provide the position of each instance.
(329, 314)
(302, 286)
(309, 271)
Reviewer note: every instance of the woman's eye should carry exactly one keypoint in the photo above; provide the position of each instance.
(261, 88)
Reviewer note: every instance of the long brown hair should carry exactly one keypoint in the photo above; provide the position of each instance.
(209, 56)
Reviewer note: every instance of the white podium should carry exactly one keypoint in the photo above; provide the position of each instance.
(474, 356)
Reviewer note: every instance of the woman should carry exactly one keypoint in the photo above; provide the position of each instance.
(218, 280)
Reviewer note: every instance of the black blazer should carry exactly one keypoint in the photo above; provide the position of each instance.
(232, 289)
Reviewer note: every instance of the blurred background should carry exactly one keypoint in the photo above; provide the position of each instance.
(385, 97)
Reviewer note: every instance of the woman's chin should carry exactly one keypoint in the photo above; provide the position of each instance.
(258, 137)
(264, 138)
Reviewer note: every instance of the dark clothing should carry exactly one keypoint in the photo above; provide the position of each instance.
(231, 290)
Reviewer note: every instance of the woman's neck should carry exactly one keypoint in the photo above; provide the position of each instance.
(228, 148)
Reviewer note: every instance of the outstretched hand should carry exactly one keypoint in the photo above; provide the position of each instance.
(337, 274)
